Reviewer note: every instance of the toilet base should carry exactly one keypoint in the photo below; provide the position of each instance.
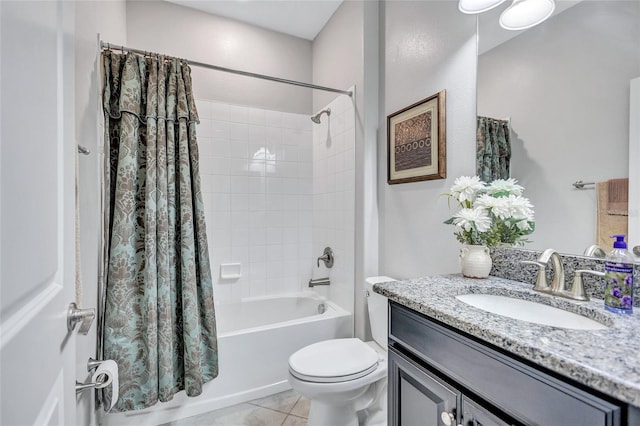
(323, 414)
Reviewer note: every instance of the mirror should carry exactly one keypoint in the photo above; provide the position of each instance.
(564, 85)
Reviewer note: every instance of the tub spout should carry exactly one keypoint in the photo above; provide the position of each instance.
(319, 281)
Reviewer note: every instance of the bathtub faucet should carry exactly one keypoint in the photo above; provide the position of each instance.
(327, 258)
(319, 281)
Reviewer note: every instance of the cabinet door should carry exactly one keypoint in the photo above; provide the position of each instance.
(416, 397)
(474, 415)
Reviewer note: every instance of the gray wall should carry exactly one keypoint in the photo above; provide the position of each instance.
(179, 31)
(345, 54)
(428, 47)
(107, 18)
(565, 85)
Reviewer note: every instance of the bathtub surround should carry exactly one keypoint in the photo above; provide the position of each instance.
(256, 167)
(334, 199)
(159, 323)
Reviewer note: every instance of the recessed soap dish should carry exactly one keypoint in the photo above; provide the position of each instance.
(230, 271)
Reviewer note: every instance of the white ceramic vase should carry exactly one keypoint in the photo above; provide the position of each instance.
(475, 261)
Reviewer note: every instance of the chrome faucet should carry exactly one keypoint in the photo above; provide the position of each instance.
(577, 288)
(319, 281)
(327, 258)
(556, 288)
(557, 284)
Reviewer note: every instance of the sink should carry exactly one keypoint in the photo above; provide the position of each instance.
(534, 312)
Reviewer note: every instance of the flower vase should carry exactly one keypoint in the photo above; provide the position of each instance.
(475, 261)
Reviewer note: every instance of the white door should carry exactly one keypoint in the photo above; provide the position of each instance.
(37, 365)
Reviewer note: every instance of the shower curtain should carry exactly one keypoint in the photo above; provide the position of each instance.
(493, 149)
(159, 323)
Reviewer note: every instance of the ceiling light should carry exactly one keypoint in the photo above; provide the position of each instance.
(478, 6)
(523, 14)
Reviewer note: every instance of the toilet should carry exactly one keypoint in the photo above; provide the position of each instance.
(346, 379)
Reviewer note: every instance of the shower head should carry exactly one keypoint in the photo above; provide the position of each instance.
(316, 118)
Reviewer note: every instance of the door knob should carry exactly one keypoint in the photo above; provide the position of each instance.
(76, 316)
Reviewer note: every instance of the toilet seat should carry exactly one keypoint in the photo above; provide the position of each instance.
(334, 361)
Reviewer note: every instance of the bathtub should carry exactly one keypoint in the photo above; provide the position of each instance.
(255, 338)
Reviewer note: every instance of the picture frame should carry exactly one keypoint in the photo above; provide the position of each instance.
(416, 141)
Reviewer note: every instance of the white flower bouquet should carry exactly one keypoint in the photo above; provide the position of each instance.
(492, 213)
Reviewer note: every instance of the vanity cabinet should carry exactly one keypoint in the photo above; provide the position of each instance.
(421, 398)
(439, 376)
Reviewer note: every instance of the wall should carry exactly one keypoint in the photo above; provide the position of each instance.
(256, 173)
(107, 18)
(334, 201)
(565, 85)
(345, 53)
(179, 31)
(427, 47)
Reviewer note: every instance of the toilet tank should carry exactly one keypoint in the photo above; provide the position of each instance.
(378, 315)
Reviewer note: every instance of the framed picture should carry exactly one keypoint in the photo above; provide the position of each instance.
(416, 145)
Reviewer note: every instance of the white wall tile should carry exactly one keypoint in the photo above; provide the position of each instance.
(204, 109)
(257, 116)
(239, 149)
(238, 114)
(239, 132)
(239, 184)
(218, 129)
(258, 237)
(273, 118)
(219, 111)
(258, 203)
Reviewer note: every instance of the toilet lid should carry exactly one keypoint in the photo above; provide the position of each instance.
(337, 360)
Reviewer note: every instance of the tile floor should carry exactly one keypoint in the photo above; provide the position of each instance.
(282, 409)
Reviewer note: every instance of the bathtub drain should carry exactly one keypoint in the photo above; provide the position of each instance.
(321, 308)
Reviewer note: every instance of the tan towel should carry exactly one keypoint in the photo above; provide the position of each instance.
(618, 196)
(607, 224)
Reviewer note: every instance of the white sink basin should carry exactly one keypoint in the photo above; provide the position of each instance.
(526, 310)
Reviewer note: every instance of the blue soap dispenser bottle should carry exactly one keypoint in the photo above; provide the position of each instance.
(618, 294)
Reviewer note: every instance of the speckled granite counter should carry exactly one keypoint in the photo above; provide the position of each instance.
(605, 360)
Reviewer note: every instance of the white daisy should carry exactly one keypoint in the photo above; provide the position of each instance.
(520, 208)
(469, 219)
(466, 188)
(524, 225)
(510, 186)
(499, 206)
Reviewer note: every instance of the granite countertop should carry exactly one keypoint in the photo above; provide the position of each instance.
(606, 360)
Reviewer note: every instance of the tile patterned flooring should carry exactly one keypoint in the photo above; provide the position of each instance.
(282, 409)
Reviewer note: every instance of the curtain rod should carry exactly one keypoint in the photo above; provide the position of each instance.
(231, 70)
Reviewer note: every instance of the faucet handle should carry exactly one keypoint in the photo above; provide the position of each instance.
(577, 289)
(327, 258)
(541, 280)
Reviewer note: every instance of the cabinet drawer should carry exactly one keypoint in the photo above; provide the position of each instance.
(519, 390)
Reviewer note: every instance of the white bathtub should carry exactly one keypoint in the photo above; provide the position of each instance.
(255, 338)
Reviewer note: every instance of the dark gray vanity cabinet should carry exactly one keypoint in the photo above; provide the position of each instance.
(440, 377)
(421, 398)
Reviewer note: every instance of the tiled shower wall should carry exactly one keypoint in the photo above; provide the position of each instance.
(334, 199)
(256, 168)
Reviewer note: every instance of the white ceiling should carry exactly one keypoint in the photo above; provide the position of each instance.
(299, 18)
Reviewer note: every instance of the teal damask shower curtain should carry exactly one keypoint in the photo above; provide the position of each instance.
(159, 323)
(493, 149)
